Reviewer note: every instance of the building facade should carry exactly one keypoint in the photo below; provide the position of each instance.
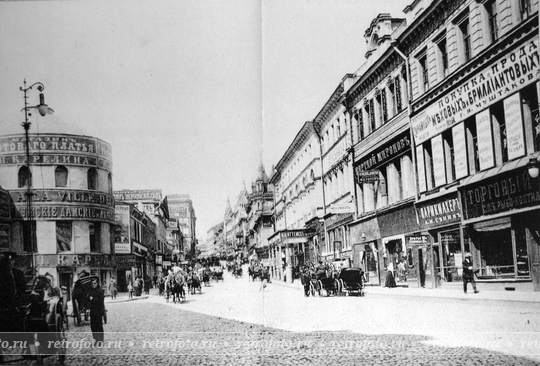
(69, 228)
(181, 209)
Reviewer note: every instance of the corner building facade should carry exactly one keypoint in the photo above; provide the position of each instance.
(72, 205)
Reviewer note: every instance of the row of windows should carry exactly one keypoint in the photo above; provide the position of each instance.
(376, 111)
(337, 184)
(65, 236)
(444, 44)
(334, 132)
(61, 175)
(477, 144)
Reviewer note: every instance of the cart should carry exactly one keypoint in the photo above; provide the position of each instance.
(80, 302)
(351, 281)
(38, 321)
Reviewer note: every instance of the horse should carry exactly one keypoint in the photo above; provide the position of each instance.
(178, 288)
(237, 272)
(194, 284)
(254, 273)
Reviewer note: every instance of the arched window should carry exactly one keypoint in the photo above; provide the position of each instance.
(109, 181)
(92, 179)
(60, 176)
(24, 176)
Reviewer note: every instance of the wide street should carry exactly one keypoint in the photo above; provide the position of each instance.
(234, 322)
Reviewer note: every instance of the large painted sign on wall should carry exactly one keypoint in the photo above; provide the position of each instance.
(499, 80)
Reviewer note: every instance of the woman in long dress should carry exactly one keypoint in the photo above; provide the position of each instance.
(390, 280)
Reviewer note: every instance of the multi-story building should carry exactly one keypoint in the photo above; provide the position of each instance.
(181, 209)
(474, 115)
(135, 236)
(70, 228)
(260, 217)
(332, 128)
(296, 182)
(381, 153)
(151, 202)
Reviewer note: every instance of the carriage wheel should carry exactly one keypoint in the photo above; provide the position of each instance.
(312, 288)
(76, 313)
(319, 287)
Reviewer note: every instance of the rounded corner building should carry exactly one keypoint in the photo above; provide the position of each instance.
(67, 227)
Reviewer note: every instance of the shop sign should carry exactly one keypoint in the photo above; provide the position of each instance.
(514, 127)
(5, 211)
(4, 236)
(504, 192)
(61, 212)
(416, 239)
(460, 151)
(166, 264)
(439, 170)
(50, 159)
(65, 269)
(122, 248)
(74, 260)
(439, 212)
(496, 82)
(367, 176)
(387, 152)
(485, 140)
(64, 196)
(125, 261)
(342, 208)
(138, 195)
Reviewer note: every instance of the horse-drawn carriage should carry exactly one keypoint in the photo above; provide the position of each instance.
(351, 281)
(80, 301)
(194, 283)
(35, 318)
(216, 273)
(318, 282)
(237, 271)
(174, 286)
(204, 275)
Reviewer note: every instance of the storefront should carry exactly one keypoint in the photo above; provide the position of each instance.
(365, 238)
(394, 224)
(440, 217)
(501, 226)
(125, 270)
(339, 236)
(290, 248)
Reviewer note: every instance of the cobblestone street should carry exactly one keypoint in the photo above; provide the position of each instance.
(206, 330)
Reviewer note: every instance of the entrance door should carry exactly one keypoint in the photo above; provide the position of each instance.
(65, 279)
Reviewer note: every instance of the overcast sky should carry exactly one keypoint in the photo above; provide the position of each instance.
(191, 94)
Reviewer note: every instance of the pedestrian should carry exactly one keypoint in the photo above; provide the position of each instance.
(130, 291)
(97, 310)
(468, 273)
(390, 280)
(112, 288)
(320, 270)
(136, 286)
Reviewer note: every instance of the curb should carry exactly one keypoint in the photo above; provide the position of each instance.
(127, 299)
(380, 291)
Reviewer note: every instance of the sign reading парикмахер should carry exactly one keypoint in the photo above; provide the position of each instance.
(501, 79)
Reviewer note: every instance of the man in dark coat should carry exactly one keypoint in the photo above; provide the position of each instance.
(18, 276)
(320, 270)
(468, 273)
(97, 309)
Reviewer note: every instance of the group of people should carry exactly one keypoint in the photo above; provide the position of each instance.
(139, 286)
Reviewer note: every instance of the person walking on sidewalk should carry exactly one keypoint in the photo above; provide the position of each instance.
(97, 310)
(468, 273)
(130, 290)
(112, 288)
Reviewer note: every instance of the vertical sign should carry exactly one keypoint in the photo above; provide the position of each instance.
(485, 140)
(460, 151)
(421, 168)
(514, 127)
(438, 160)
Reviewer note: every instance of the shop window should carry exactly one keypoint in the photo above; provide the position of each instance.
(472, 145)
(451, 255)
(493, 26)
(522, 258)
(94, 229)
(64, 235)
(29, 236)
(24, 177)
(60, 176)
(92, 179)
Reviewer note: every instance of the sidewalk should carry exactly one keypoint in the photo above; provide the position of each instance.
(508, 296)
(124, 296)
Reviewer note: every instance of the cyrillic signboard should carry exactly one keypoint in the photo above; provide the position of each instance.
(439, 212)
(514, 127)
(460, 151)
(500, 79)
(122, 248)
(421, 168)
(438, 160)
(138, 195)
(485, 140)
(368, 176)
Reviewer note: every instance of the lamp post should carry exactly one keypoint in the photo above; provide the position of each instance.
(43, 110)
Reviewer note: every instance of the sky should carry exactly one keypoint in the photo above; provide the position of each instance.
(192, 95)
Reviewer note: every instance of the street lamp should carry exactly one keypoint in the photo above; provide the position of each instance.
(533, 167)
(43, 110)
